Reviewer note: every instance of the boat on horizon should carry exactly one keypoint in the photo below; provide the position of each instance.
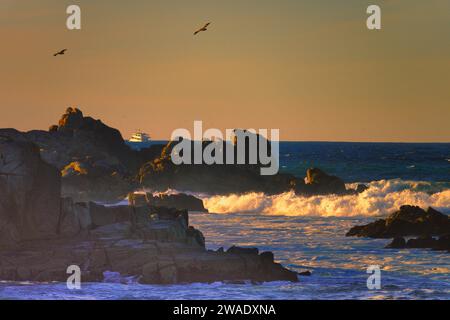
(140, 137)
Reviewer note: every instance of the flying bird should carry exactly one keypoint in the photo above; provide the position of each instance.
(60, 52)
(204, 28)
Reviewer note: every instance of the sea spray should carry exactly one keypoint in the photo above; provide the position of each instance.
(381, 198)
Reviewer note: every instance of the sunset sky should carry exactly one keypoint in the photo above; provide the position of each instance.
(310, 68)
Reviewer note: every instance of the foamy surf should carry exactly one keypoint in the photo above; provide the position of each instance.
(381, 198)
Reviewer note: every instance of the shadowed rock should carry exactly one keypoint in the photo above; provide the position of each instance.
(29, 194)
(318, 182)
(408, 221)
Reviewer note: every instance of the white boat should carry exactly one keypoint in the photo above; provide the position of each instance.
(140, 137)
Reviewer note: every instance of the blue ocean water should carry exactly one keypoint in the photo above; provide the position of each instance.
(364, 162)
(309, 233)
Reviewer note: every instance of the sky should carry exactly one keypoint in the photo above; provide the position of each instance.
(309, 68)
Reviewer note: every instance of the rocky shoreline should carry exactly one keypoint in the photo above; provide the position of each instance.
(43, 231)
(51, 184)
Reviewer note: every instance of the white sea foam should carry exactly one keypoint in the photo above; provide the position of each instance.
(382, 197)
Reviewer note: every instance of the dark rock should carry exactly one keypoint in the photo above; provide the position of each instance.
(397, 243)
(195, 234)
(318, 182)
(361, 188)
(267, 256)
(178, 201)
(422, 242)
(428, 242)
(29, 194)
(101, 215)
(305, 273)
(161, 174)
(443, 243)
(240, 250)
(408, 221)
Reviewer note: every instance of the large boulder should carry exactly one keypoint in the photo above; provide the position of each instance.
(29, 193)
(408, 221)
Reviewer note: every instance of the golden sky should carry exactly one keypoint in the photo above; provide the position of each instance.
(310, 68)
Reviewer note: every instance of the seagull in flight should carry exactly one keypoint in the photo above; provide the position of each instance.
(60, 52)
(204, 28)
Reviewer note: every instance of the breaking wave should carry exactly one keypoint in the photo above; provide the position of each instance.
(381, 197)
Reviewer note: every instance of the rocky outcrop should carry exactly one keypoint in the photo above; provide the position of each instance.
(408, 221)
(95, 161)
(318, 182)
(29, 194)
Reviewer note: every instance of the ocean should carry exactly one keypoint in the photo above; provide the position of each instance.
(309, 233)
